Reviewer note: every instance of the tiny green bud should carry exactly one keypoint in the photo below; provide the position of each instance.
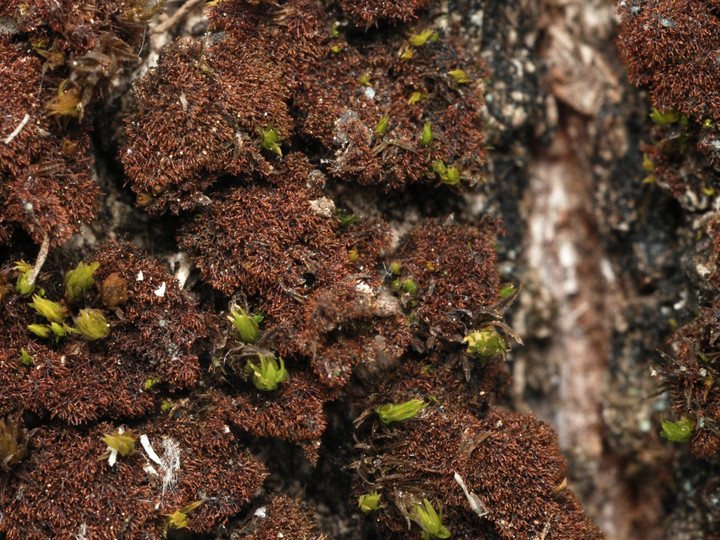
(92, 324)
(246, 326)
(430, 521)
(113, 291)
(707, 123)
(679, 431)
(507, 290)
(149, 383)
(353, 255)
(166, 405)
(79, 281)
(439, 168)
(22, 285)
(25, 358)
(427, 135)
(382, 125)
(270, 140)
(485, 342)
(179, 518)
(396, 413)
(346, 220)
(336, 49)
(459, 76)
(122, 442)
(396, 267)
(418, 40)
(365, 80)
(60, 330)
(369, 502)
(451, 176)
(416, 97)
(409, 286)
(52, 311)
(268, 374)
(40, 330)
(334, 30)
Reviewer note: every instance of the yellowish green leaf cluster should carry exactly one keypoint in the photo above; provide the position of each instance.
(390, 412)
(268, 374)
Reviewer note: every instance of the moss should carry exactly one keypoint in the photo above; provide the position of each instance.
(128, 497)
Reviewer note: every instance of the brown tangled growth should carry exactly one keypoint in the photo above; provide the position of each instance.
(56, 60)
(150, 337)
(129, 405)
(66, 490)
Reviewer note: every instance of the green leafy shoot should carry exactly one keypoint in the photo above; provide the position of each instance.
(486, 342)
(507, 290)
(417, 97)
(369, 502)
(268, 374)
(346, 219)
(668, 117)
(390, 412)
(247, 327)
(449, 175)
(427, 134)
(409, 287)
(92, 324)
(79, 281)
(430, 521)
(25, 358)
(270, 140)
(150, 382)
(52, 311)
(40, 330)
(382, 125)
(22, 285)
(122, 442)
(418, 40)
(179, 518)
(679, 431)
(459, 76)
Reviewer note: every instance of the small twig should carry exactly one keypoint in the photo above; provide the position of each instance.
(182, 12)
(42, 255)
(18, 129)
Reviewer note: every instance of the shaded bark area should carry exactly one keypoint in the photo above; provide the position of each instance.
(594, 263)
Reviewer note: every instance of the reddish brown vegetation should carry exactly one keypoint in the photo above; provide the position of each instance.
(283, 518)
(453, 267)
(79, 381)
(370, 11)
(347, 94)
(671, 47)
(509, 461)
(200, 114)
(45, 171)
(54, 61)
(66, 491)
